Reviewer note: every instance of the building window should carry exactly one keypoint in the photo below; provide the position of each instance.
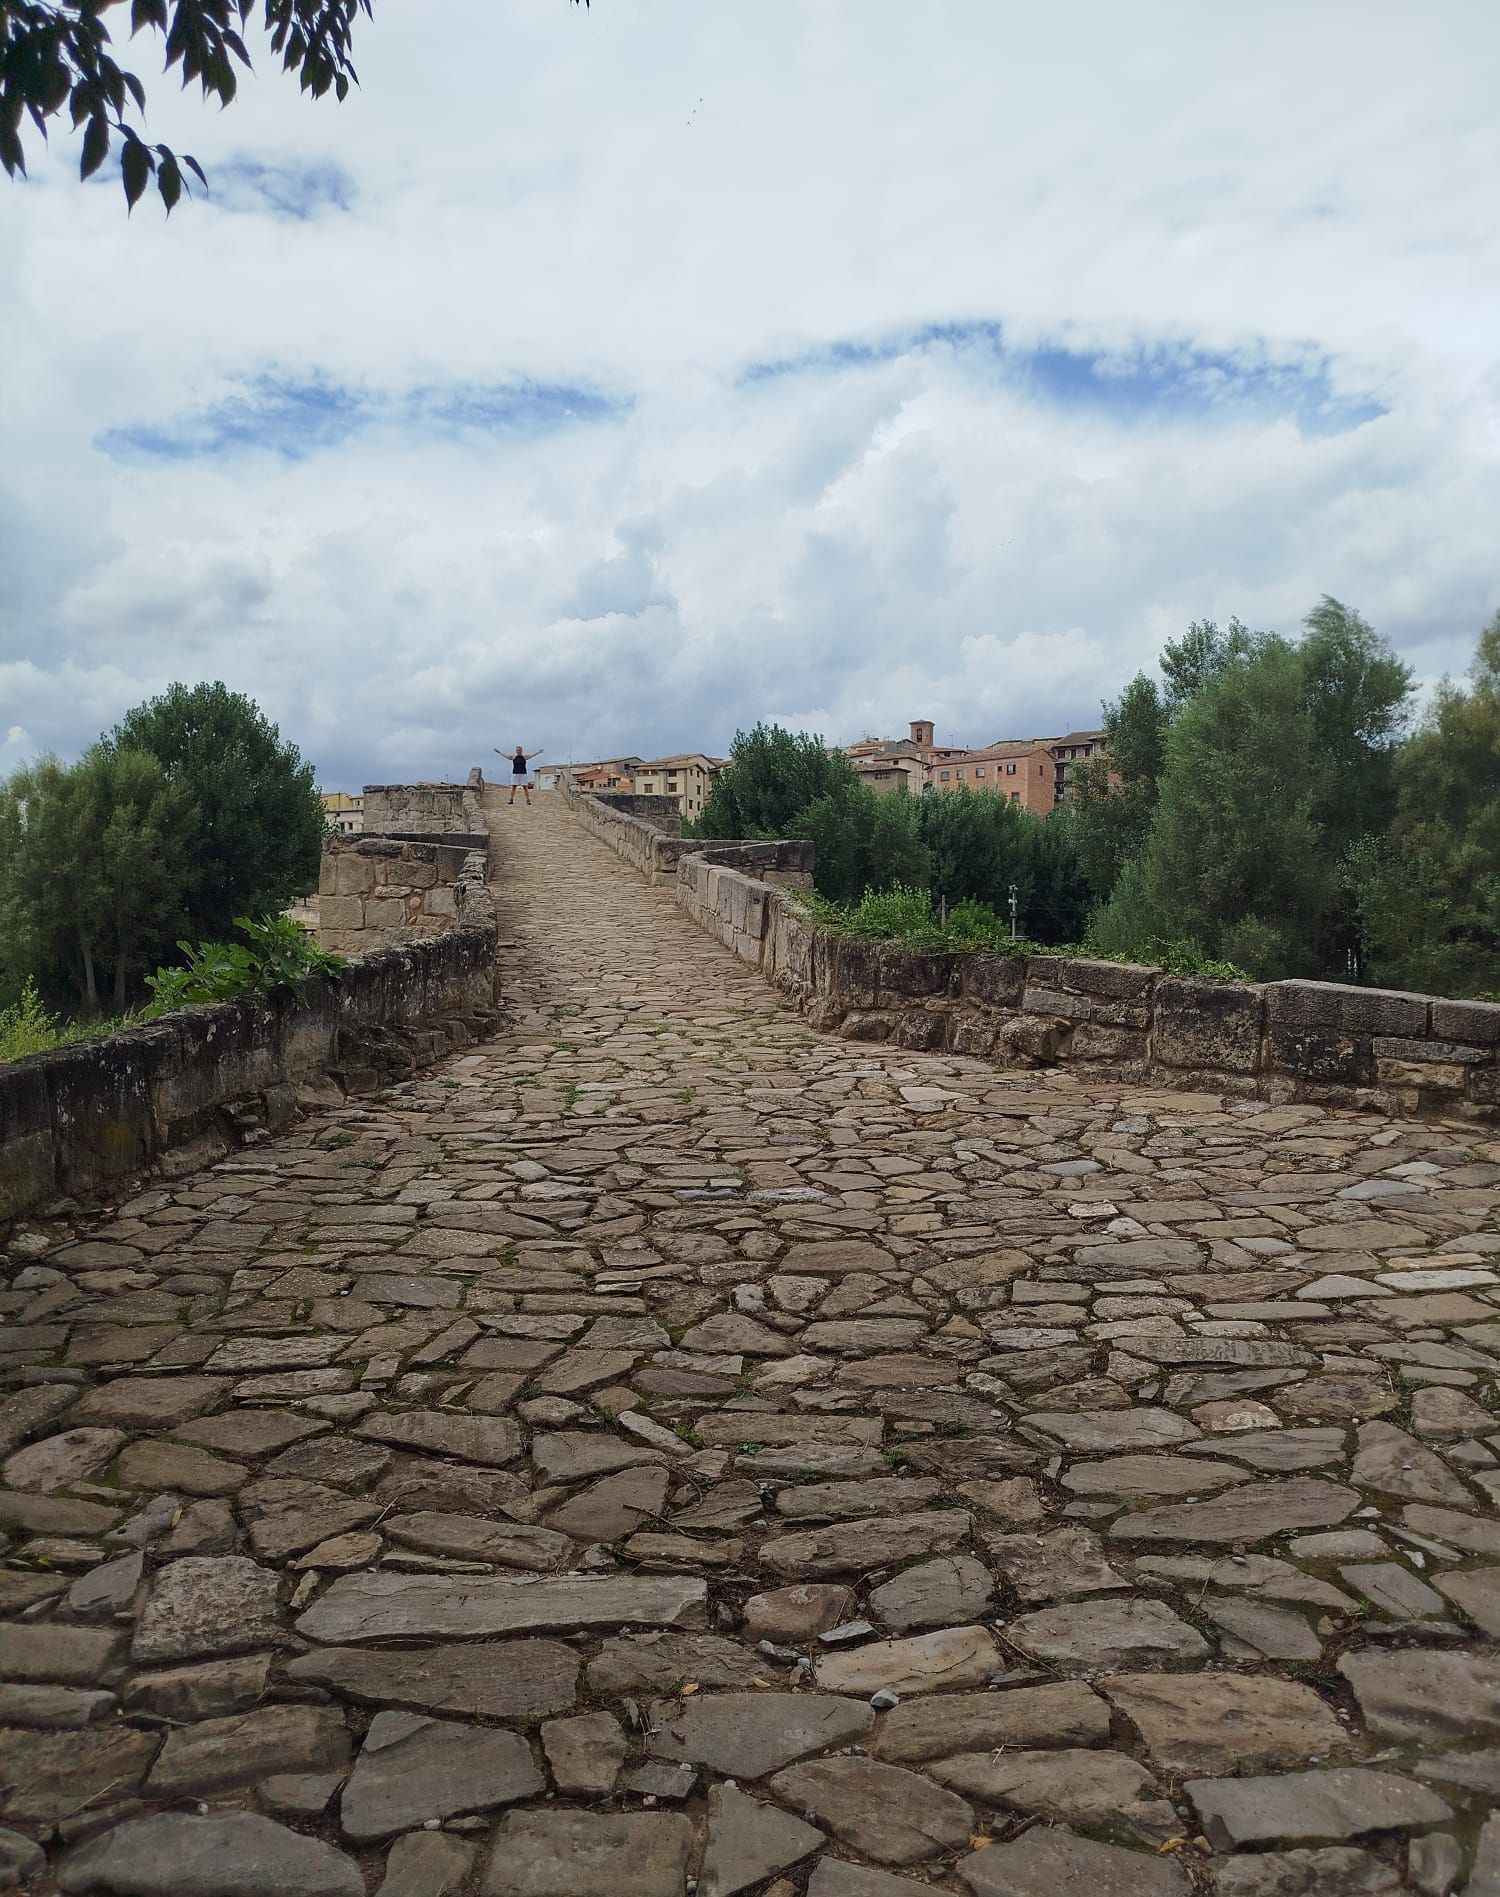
(1010, 770)
(979, 770)
(943, 775)
(1015, 797)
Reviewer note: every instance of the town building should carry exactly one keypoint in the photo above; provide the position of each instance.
(1073, 750)
(1032, 772)
(1022, 770)
(346, 813)
(686, 777)
(607, 774)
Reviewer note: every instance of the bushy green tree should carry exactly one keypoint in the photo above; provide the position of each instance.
(1234, 856)
(772, 774)
(1113, 795)
(1236, 794)
(1428, 895)
(861, 841)
(94, 860)
(262, 819)
(982, 843)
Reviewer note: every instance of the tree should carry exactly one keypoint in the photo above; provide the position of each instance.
(1234, 865)
(1428, 896)
(1113, 796)
(94, 860)
(771, 775)
(1203, 651)
(262, 818)
(1356, 691)
(862, 840)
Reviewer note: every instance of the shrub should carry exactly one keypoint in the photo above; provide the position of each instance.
(909, 916)
(281, 954)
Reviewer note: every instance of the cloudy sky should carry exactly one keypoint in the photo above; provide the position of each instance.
(608, 380)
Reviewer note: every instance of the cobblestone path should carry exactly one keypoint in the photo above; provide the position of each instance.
(665, 1449)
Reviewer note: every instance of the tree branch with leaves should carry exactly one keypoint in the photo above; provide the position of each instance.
(58, 59)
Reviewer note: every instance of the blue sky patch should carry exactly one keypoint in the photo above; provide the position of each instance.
(1156, 383)
(297, 418)
(298, 192)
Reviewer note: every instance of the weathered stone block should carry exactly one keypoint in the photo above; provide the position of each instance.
(1207, 1024)
(1035, 1038)
(26, 1169)
(1453, 1053)
(99, 1096)
(384, 912)
(1115, 981)
(865, 1024)
(1055, 1002)
(340, 912)
(921, 1028)
(1427, 1076)
(1474, 1021)
(1323, 1004)
(1096, 1040)
(1121, 1014)
(905, 971)
(353, 873)
(1321, 1054)
(854, 969)
(997, 980)
(973, 1033)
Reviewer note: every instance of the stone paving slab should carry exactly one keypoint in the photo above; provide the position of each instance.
(668, 1444)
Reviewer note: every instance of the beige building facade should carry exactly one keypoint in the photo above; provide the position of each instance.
(686, 777)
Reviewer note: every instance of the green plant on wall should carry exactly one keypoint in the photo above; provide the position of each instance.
(281, 953)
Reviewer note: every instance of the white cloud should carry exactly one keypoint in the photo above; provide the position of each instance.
(924, 531)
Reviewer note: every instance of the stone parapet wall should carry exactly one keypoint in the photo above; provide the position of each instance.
(657, 851)
(374, 890)
(1281, 1041)
(664, 812)
(427, 812)
(80, 1120)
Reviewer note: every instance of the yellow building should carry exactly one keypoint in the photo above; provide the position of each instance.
(347, 812)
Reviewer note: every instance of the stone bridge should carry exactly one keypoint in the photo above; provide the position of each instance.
(664, 1448)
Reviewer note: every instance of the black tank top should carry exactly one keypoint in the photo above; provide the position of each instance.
(518, 766)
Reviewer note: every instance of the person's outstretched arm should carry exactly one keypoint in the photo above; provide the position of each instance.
(536, 753)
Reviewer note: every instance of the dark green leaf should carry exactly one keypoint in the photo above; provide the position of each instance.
(136, 166)
(169, 180)
(95, 146)
(11, 155)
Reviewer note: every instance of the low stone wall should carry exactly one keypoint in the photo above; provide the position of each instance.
(664, 812)
(82, 1119)
(1280, 1041)
(375, 890)
(657, 852)
(418, 917)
